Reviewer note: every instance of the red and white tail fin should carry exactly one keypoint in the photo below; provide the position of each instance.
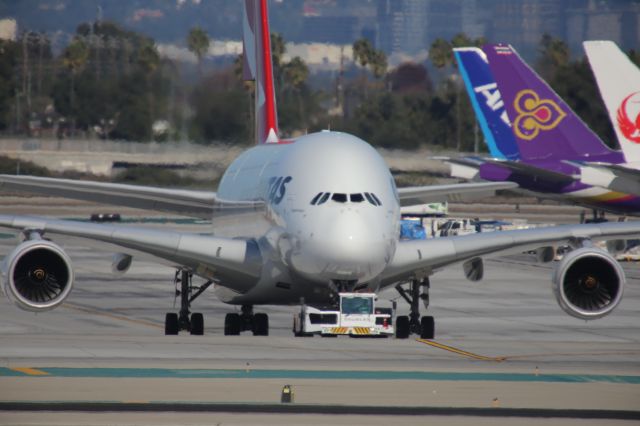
(258, 66)
(619, 82)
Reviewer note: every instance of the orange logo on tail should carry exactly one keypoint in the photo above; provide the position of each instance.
(535, 115)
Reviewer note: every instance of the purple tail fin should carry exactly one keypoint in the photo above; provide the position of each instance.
(544, 126)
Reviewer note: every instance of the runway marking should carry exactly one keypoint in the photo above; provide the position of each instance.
(30, 371)
(461, 352)
(94, 311)
(168, 373)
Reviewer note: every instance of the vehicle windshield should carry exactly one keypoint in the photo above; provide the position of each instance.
(357, 305)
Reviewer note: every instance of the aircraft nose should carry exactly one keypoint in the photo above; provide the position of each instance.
(353, 246)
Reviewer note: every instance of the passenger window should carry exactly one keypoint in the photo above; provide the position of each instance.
(324, 198)
(316, 198)
(339, 198)
(378, 202)
(356, 198)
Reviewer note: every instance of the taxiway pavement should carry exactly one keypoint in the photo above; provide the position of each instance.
(106, 343)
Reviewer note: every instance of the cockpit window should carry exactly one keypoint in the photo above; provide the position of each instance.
(316, 198)
(339, 198)
(324, 198)
(356, 198)
(370, 198)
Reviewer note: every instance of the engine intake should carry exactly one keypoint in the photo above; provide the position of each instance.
(37, 275)
(588, 284)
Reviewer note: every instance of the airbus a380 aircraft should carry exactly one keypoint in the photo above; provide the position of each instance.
(324, 216)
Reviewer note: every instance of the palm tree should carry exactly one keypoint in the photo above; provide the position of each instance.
(75, 58)
(378, 64)
(198, 42)
(149, 60)
(362, 54)
(296, 73)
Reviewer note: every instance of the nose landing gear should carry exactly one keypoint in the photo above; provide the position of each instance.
(406, 325)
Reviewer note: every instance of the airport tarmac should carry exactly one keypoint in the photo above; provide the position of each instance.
(106, 345)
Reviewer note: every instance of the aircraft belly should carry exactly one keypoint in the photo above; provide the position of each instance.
(277, 291)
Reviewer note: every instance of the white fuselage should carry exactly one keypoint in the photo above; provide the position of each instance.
(347, 236)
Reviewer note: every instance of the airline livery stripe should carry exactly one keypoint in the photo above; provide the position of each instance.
(268, 72)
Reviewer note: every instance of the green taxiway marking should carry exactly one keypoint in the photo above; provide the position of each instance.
(322, 374)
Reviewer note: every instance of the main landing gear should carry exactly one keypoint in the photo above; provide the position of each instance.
(406, 325)
(235, 323)
(184, 319)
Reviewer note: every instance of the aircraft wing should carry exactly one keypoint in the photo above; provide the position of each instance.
(201, 204)
(543, 174)
(611, 176)
(234, 262)
(413, 195)
(418, 257)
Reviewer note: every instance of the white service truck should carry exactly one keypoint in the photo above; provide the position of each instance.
(357, 315)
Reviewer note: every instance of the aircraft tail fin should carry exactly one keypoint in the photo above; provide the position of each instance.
(544, 126)
(258, 66)
(487, 102)
(619, 83)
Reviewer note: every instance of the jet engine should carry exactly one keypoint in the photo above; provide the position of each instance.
(588, 283)
(37, 275)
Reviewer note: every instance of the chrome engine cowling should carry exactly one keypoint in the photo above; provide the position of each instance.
(588, 283)
(37, 275)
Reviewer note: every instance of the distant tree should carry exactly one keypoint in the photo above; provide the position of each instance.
(198, 42)
(378, 63)
(362, 51)
(278, 49)
(9, 56)
(553, 55)
(441, 53)
(295, 76)
(74, 59)
(410, 77)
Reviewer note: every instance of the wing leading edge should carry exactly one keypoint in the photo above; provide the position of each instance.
(201, 204)
(234, 262)
(425, 256)
(454, 192)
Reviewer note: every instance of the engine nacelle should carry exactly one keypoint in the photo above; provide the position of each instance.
(588, 283)
(37, 275)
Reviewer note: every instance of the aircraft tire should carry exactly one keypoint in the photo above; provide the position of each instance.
(427, 327)
(232, 324)
(171, 325)
(260, 325)
(197, 324)
(402, 327)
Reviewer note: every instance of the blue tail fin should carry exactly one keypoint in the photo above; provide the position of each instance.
(487, 102)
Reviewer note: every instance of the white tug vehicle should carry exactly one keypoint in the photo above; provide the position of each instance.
(357, 315)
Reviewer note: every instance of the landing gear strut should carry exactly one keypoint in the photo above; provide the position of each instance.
(184, 319)
(405, 325)
(235, 323)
